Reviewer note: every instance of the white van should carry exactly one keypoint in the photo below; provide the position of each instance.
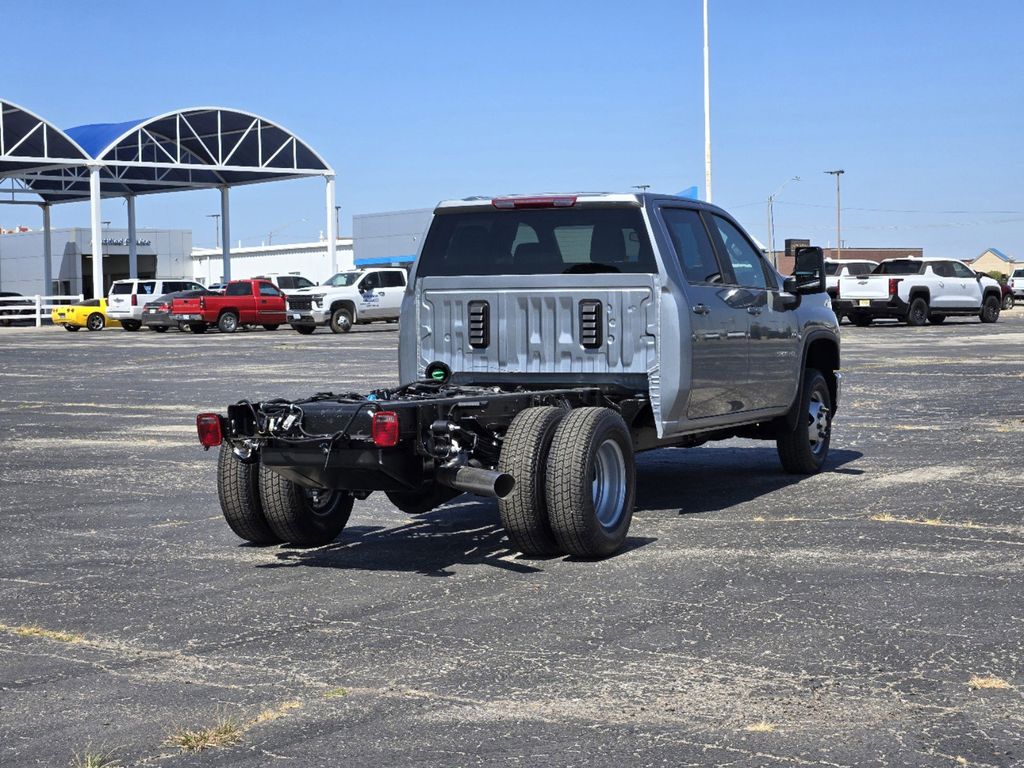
(127, 298)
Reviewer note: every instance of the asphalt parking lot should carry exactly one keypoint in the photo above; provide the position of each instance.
(870, 615)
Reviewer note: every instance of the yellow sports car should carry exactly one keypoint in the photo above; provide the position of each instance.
(90, 314)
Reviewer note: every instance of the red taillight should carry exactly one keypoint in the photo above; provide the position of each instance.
(894, 284)
(385, 429)
(547, 201)
(208, 427)
(202, 302)
(135, 300)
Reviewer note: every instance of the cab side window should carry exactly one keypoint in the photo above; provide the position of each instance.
(959, 270)
(393, 280)
(942, 269)
(371, 282)
(266, 289)
(692, 245)
(745, 260)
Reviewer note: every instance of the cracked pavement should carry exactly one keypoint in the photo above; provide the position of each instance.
(753, 619)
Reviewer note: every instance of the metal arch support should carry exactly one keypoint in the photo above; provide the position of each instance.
(97, 231)
(332, 236)
(225, 234)
(133, 247)
(47, 251)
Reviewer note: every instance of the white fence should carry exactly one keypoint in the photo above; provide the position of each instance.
(32, 308)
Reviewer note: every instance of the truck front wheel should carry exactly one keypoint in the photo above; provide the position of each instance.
(197, 327)
(804, 448)
(990, 309)
(341, 321)
(305, 330)
(524, 455)
(591, 482)
(239, 494)
(304, 516)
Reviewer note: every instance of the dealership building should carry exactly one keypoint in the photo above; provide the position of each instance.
(160, 253)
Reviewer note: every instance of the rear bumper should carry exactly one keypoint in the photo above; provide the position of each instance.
(187, 318)
(157, 319)
(125, 314)
(893, 306)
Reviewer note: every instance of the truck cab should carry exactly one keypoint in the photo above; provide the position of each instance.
(645, 293)
(348, 298)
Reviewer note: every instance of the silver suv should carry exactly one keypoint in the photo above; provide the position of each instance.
(127, 298)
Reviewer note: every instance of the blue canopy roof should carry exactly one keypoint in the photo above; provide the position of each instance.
(96, 137)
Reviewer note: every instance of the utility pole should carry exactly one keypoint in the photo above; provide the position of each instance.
(216, 227)
(707, 113)
(839, 231)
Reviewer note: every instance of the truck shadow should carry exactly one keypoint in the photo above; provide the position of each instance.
(710, 479)
(464, 532)
(467, 532)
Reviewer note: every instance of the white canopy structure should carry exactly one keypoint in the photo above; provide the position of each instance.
(197, 148)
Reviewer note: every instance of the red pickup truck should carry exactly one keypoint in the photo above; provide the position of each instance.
(244, 302)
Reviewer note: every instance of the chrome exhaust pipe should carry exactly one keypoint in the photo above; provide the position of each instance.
(482, 482)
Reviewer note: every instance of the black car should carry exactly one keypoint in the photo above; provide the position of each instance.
(9, 308)
(157, 313)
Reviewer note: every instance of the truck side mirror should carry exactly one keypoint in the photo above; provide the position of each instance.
(809, 271)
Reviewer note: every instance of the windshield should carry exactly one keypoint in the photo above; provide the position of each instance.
(343, 279)
(898, 267)
(537, 242)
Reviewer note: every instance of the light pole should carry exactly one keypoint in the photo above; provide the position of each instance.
(216, 227)
(707, 112)
(642, 187)
(337, 222)
(839, 230)
(771, 219)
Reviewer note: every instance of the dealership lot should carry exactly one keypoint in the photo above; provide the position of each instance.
(868, 615)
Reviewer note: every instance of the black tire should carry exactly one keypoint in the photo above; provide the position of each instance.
(420, 502)
(71, 327)
(524, 455)
(917, 315)
(298, 515)
(238, 490)
(227, 323)
(160, 328)
(860, 320)
(130, 325)
(95, 322)
(937, 319)
(341, 320)
(589, 444)
(798, 454)
(197, 327)
(305, 330)
(990, 309)
(271, 327)
(1008, 301)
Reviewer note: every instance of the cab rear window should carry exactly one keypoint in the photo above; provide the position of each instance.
(537, 242)
(119, 288)
(898, 267)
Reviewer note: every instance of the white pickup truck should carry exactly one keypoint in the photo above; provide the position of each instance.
(918, 291)
(837, 268)
(360, 296)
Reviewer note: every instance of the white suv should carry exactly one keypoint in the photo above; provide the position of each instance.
(287, 284)
(127, 298)
(360, 296)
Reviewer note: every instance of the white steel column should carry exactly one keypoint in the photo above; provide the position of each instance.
(707, 112)
(332, 236)
(97, 232)
(47, 252)
(225, 235)
(133, 250)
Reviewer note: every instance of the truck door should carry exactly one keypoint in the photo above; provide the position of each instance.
(270, 305)
(970, 286)
(718, 360)
(370, 296)
(773, 331)
(391, 292)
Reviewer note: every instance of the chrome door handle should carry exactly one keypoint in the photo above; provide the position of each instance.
(701, 309)
(754, 310)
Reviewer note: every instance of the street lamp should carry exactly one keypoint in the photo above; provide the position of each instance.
(771, 219)
(707, 112)
(337, 222)
(642, 187)
(216, 227)
(839, 231)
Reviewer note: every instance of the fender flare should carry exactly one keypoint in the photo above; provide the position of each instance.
(791, 416)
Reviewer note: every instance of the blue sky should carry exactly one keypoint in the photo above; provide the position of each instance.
(411, 102)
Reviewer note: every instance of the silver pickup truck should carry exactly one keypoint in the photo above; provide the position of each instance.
(544, 341)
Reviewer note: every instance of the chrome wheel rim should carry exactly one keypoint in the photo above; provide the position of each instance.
(608, 484)
(229, 323)
(817, 423)
(343, 322)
